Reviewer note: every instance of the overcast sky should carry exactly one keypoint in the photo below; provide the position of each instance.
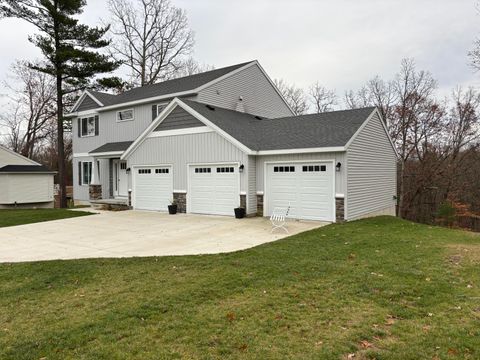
(340, 43)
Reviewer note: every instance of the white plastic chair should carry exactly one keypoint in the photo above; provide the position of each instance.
(279, 218)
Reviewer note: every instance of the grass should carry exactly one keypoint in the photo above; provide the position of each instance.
(13, 217)
(380, 288)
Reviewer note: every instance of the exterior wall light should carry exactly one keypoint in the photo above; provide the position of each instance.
(240, 169)
(338, 166)
(128, 170)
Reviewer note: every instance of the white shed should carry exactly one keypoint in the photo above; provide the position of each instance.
(23, 182)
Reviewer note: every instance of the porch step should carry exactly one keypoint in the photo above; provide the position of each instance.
(110, 204)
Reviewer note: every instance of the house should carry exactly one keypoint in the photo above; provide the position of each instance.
(23, 182)
(227, 138)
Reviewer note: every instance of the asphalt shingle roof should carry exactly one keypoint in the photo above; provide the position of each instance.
(173, 86)
(114, 146)
(24, 168)
(330, 129)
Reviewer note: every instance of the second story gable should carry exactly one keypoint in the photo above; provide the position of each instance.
(100, 118)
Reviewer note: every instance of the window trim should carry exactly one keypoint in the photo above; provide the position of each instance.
(83, 172)
(94, 126)
(119, 111)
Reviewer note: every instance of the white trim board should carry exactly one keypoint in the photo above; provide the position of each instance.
(186, 131)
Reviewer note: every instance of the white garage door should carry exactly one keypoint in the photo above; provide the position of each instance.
(213, 189)
(153, 187)
(308, 187)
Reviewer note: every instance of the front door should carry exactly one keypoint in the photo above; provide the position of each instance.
(120, 178)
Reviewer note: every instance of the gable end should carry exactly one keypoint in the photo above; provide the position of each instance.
(178, 119)
(87, 104)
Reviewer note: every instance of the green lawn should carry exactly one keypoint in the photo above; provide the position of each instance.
(28, 216)
(380, 288)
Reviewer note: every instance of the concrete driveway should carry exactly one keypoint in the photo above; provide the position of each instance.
(137, 233)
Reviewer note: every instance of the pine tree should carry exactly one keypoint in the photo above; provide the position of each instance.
(71, 52)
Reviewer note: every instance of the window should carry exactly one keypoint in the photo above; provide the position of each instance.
(160, 108)
(203, 170)
(225, 170)
(123, 165)
(125, 115)
(161, 171)
(144, 171)
(314, 168)
(88, 126)
(86, 172)
(284, 169)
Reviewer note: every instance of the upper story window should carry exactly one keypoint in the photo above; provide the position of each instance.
(88, 126)
(160, 107)
(125, 115)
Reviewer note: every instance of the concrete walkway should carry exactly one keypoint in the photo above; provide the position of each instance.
(137, 233)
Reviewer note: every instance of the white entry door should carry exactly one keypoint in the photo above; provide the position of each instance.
(153, 187)
(213, 189)
(309, 188)
(120, 178)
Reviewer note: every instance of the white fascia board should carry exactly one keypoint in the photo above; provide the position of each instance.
(175, 132)
(80, 155)
(302, 151)
(94, 98)
(81, 113)
(150, 99)
(275, 87)
(359, 130)
(18, 155)
(106, 154)
(167, 110)
(227, 75)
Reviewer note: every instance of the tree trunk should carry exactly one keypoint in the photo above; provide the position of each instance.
(60, 145)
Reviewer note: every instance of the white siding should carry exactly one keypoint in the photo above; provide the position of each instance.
(259, 96)
(26, 188)
(371, 169)
(340, 181)
(181, 150)
(252, 185)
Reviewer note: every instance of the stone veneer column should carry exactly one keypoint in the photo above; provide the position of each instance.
(181, 201)
(243, 201)
(259, 204)
(95, 191)
(340, 209)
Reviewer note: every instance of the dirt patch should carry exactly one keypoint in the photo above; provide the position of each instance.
(460, 253)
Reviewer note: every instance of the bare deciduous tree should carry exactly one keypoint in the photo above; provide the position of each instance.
(151, 37)
(192, 67)
(31, 107)
(322, 99)
(294, 96)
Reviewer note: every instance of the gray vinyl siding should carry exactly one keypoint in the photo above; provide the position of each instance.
(112, 131)
(340, 176)
(371, 169)
(252, 185)
(87, 104)
(81, 192)
(259, 96)
(181, 150)
(178, 119)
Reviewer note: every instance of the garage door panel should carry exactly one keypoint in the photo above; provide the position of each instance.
(153, 187)
(309, 188)
(215, 192)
